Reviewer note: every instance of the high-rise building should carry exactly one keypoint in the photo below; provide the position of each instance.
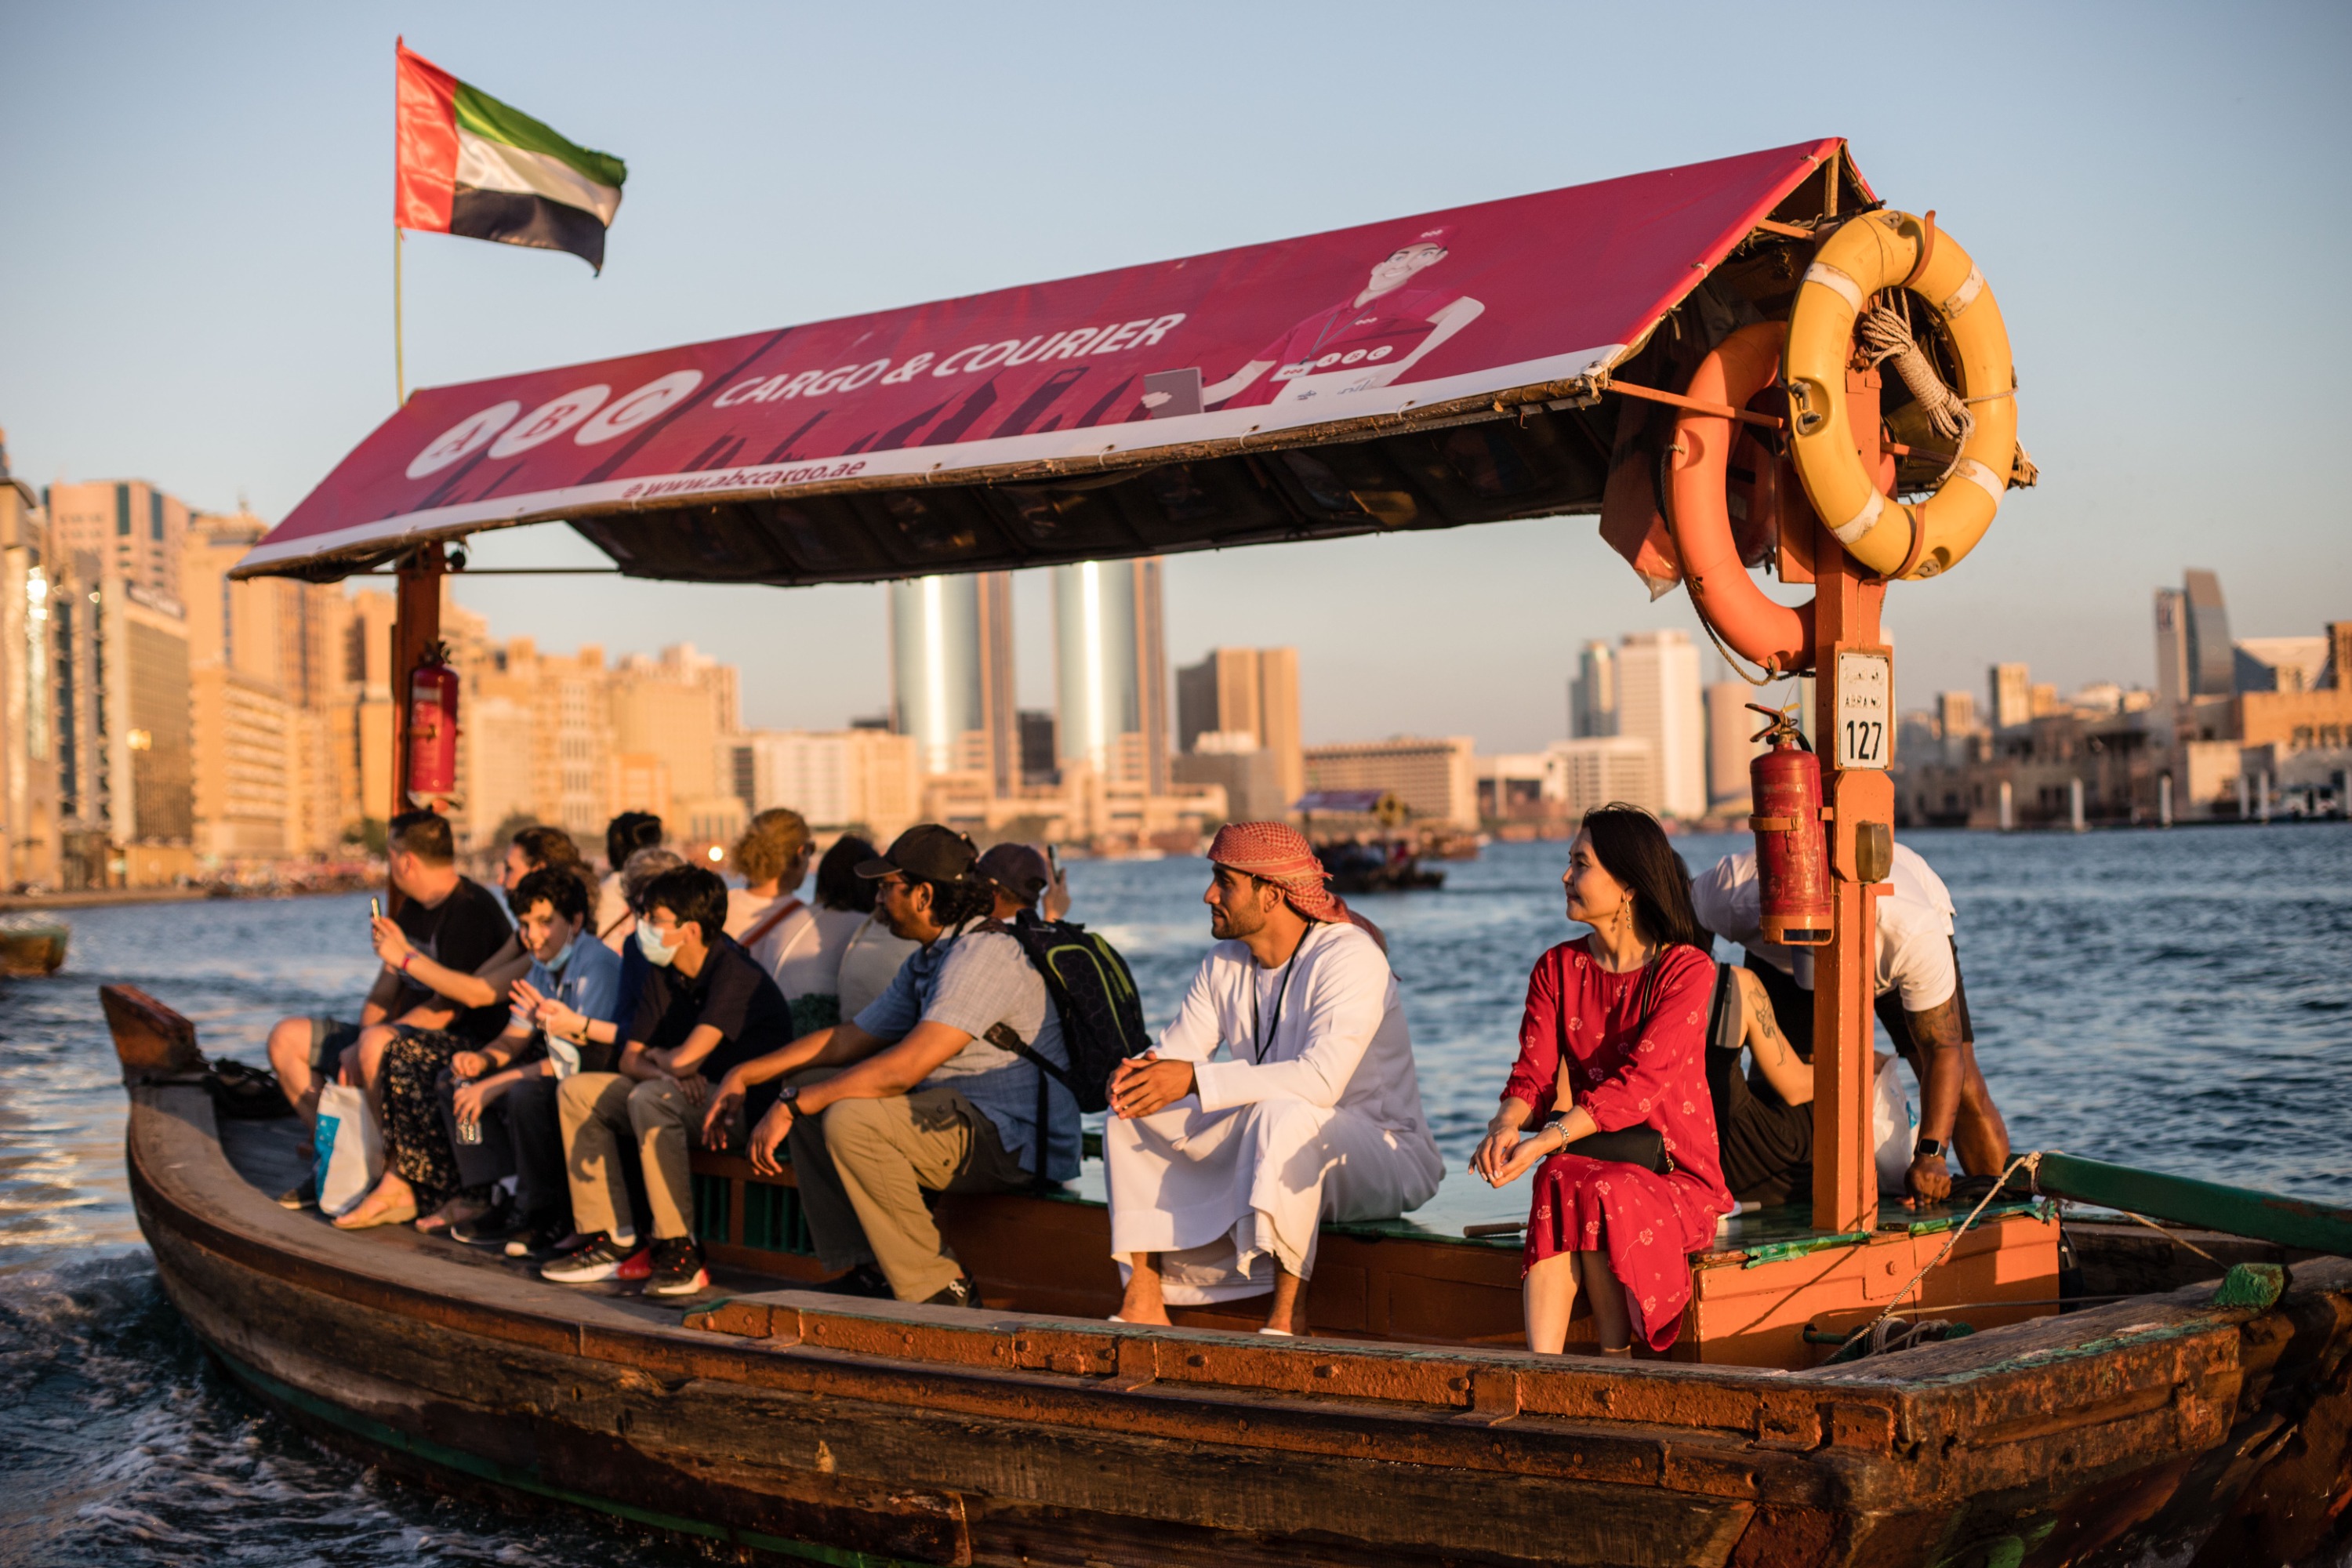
(1592, 692)
(1658, 702)
(952, 674)
(1246, 691)
(120, 656)
(1436, 779)
(2010, 687)
(2212, 668)
(29, 773)
(134, 530)
(1110, 650)
(2171, 647)
(1731, 744)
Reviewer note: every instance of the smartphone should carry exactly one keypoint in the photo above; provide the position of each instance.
(375, 909)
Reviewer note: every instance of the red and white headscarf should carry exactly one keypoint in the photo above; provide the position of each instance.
(1279, 853)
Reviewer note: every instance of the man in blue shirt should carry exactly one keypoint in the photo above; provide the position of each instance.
(502, 1097)
(916, 1094)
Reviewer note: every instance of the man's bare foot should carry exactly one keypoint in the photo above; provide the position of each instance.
(1143, 1303)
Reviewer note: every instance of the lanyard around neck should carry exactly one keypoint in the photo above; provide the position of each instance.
(1262, 1043)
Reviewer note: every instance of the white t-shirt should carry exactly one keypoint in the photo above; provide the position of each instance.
(1914, 927)
(743, 908)
(869, 960)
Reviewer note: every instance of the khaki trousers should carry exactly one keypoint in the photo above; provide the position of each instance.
(863, 1167)
(599, 1110)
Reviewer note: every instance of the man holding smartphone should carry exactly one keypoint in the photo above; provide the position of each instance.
(448, 926)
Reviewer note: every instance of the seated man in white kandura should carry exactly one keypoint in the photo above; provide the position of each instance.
(1222, 1163)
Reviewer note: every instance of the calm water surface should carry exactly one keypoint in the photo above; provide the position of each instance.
(2182, 1000)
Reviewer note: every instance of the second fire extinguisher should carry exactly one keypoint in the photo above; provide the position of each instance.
(433, 726)
(1792, 863)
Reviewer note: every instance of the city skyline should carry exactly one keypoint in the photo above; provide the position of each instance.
(214, 372)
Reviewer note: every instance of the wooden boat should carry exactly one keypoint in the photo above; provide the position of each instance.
(2182, 1422)
(32, 944)
(2182, 1414)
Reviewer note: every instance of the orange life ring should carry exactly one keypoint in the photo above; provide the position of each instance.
(1778, 637)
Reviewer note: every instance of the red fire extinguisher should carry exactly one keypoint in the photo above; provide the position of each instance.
(1792, 862)
(433, 725)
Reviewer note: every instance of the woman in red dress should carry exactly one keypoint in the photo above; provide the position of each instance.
(1614, 1039)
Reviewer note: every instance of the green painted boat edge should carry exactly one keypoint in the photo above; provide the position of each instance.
(473, 1465)
(2209, 1206)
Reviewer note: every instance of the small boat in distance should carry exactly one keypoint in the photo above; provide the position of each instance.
(1363, 840)
(32, 944)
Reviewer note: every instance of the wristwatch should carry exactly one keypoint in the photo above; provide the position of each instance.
(1926, 1146)
(788, 1096)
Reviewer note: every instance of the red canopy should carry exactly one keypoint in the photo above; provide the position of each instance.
(830, 452)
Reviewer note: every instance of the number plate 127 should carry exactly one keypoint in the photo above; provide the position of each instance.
(1865, 707)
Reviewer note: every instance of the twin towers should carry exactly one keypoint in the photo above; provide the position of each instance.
(951, 676)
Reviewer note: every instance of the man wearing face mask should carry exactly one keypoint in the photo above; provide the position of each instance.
(705, 1007)
(506, 1092)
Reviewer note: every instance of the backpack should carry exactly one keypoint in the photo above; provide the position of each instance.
(1093, 995)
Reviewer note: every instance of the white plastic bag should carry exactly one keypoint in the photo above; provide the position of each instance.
(1894, 1128)
(351, 1150)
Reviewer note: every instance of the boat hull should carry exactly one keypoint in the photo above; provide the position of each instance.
(798, 1426)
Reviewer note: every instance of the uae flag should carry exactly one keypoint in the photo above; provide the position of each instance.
(470, 166)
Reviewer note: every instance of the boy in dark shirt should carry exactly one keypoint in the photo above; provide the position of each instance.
(707, 1006)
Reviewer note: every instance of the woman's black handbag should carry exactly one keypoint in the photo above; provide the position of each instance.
(1642, 1146)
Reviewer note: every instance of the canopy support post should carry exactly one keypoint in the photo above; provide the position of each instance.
(1859, 804)
(416, 628)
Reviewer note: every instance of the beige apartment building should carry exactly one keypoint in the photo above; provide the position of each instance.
(567, 740)
(1437, 780)
(132, 528)
(260, 676)
(871, 780)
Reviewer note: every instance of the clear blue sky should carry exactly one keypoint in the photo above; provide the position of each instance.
(196, 282)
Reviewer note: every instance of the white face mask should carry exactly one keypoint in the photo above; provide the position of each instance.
(649, 942)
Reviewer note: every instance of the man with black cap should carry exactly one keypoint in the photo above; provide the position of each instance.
(1023, 876)
(913, 1095)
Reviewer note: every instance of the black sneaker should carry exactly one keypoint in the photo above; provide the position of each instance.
(602, 1258)
(960, 1292)
(492, 1226)
(677, 1268)
(865, 1280)
(539, 1235)
(302, 1195)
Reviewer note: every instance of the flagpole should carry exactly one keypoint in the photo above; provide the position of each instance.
(399, 361)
